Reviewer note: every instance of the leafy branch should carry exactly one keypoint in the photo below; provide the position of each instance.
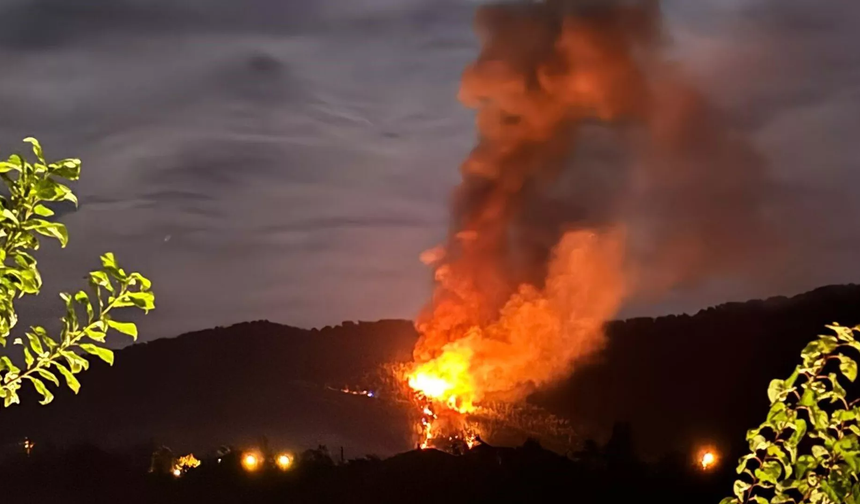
(808, 448)
(23, 216)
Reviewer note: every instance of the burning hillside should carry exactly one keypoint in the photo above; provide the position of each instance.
(544, 246)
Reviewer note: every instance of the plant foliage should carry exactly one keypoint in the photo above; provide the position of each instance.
(24, 219)
(808, 449)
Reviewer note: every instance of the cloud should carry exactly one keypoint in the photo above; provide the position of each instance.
(300, 154)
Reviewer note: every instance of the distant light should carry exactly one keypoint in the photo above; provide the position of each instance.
(284, 461)
(250, 462)
(708, 460)
(177, 472)
(370, 394)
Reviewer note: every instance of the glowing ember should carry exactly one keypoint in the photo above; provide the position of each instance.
(251, 462)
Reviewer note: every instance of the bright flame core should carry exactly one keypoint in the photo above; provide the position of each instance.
(431, 386)
(446, 380)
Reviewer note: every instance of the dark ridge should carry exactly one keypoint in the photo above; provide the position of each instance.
(678, 381)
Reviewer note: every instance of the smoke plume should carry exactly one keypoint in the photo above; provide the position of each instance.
(600, 174)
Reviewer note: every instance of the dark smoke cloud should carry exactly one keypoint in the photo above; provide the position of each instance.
(585, 124)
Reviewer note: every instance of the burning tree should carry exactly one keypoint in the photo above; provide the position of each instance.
(89, 316)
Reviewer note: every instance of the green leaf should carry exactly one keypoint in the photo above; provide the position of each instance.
(71, 380)
(47, 228)
(43, 211)
(76, 362)
(769, 471)
(69, 169)
(808, 398)
(143, 300)
(127, 328)
(28, 358)
(852, 458)
(49, 190)
(742, 463)
(848, 367)
(757, 443)
(831, 492)
(730, 500)
(35, 344)
(8, 215)
(842, 333)
(796, 437)
(14, 163)
(135, 278)
(109, 260)
(775, 390)
(37, 149)
(739, 488)
(7, 364)
(11, 398)
(811, 351)
(47, 396)
(95, 334)
(819, 418)
(44, 373)
(789, 382)
(100, 352)
(760, 500)
(84, 300)
(820, 452)
(101, 279)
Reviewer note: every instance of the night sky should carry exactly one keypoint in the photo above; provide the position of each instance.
(290, 159)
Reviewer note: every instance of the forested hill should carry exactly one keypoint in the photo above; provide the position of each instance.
(676, 379)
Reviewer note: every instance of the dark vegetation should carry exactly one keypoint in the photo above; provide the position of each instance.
(525, 474)
(678, 382)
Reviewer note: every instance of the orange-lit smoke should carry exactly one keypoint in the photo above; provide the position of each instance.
(544, 246)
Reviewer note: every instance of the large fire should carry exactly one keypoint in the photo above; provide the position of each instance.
(540, 253)
(533, 341)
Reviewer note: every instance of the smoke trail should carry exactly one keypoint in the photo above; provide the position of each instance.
(546, 238)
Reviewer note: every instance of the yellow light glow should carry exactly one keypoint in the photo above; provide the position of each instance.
(177, 472)
(708, 460)
(284, 461)
(250, 462)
